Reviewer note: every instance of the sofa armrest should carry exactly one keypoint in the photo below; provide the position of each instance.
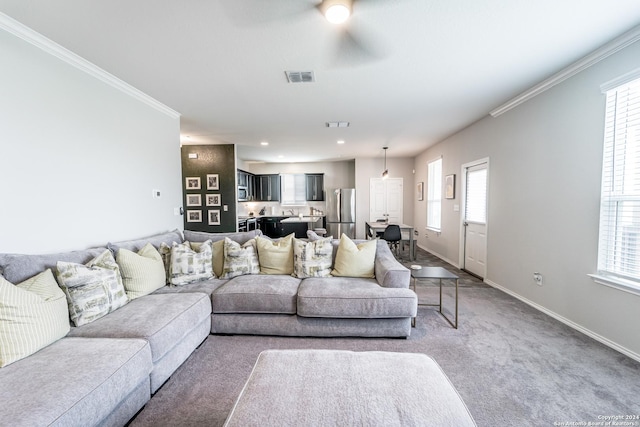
(389, 272)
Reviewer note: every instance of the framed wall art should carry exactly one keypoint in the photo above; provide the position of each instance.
(450, 186)
(194, 216)
(420, 191)
(214, 217)
(194, 200)
(213, 182)
(192, 183)
(213, 200)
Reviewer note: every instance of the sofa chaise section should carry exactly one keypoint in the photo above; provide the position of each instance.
(173, 324)
(77, 382)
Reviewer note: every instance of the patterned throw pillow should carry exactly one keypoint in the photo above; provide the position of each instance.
(93, 290)
(33, 314)
(142, 273)
(312, 259)
(239, 260)
(218, 255)
(275, 256)
(355, 260)
(188, 266)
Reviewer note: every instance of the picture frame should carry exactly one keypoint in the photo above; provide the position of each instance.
(214, 216)
(192, 183)
(450, 186)
(194, 200)
(213, 181)
(194, 215)
(213, 199)
(420, 191)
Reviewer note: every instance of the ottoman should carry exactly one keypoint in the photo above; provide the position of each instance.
(341, 388)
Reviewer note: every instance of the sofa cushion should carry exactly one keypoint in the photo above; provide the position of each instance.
(354, 298)
(189, 265)
(275, 256)
(355, 260)
(201, 236)
(312, 259)
(93, 290)
(17, 268)
(33, 314)
(142, 272)
(75, 382)
(156, 240)
(239, 260)
(257, 294)
(204, 286)
(161, 319)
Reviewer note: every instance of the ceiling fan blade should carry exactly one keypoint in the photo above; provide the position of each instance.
(356, 47)
(247, 13)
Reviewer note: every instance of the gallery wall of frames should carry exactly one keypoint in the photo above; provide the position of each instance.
(208, 187)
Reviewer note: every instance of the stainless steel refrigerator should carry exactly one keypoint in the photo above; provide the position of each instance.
(341, 212)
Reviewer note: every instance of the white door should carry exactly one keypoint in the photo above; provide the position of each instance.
(386, 200)
(475, 218)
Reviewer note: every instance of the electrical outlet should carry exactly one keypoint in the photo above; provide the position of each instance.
(537, 277)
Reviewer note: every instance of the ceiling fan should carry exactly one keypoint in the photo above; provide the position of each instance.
(355, 44)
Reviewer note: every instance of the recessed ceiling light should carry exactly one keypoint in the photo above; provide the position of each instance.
(340, 141)
(265, 143)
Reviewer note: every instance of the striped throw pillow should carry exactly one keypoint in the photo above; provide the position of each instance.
(33, 314)
(142, 273)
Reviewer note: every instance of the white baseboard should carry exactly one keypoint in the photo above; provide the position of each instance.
(568, 322)
(445, 259)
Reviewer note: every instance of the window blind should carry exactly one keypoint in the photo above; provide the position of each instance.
(619, 240)
(293, 189)
(476, 201)
(434, 194)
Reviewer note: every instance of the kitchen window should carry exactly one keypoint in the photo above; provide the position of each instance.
(619, 239)
(293, 189)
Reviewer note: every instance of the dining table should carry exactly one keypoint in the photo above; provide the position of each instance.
(373, 228)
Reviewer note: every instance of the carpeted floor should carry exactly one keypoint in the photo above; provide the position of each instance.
(512, 365)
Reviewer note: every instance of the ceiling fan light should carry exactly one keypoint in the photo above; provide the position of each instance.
(337, 13)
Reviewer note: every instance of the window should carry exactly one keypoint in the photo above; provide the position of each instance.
(434, 194)
(619, 242)
(293, 189)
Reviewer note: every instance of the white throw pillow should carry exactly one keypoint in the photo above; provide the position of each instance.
(239, 260)
(312, 259)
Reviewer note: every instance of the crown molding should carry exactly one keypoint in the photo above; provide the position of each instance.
(596, 56)
(36, 39)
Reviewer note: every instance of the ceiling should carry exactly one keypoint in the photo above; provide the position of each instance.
(433, 66)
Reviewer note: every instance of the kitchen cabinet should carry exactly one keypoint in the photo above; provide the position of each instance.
(315, 187)
(267, 188)
(246, 181)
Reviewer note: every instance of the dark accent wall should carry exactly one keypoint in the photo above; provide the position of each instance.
(212, 160)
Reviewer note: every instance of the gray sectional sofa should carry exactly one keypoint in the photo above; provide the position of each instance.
(104, 372)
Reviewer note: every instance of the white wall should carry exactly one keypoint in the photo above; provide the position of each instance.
(367, 168)
(79, 157)
(544, 193)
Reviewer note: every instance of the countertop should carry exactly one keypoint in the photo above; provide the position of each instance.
(308, 219)
(279, 216)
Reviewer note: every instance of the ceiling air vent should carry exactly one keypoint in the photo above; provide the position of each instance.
(300, 76)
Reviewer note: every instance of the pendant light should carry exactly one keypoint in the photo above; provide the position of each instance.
(336, 11)
(385, 174)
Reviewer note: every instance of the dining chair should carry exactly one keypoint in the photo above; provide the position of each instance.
(393, 235)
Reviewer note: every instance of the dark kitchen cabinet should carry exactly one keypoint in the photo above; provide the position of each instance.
(271, 226)
(315, 187)
(267, 188)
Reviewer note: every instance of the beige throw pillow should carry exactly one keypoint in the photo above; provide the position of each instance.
(142, 273)
(355, 260)
(275, 256)
(33, 314)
